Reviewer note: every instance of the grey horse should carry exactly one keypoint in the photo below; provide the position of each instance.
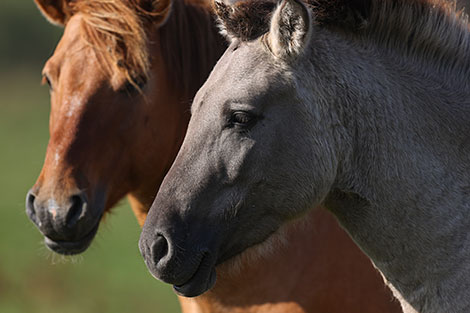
(362, 106)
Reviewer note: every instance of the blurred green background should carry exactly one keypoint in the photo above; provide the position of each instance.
(110, 276)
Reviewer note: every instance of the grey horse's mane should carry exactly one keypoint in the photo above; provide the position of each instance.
(431, 30)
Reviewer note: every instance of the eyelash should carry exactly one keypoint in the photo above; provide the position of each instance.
(46, 80)
(130, 88)
(242, 119)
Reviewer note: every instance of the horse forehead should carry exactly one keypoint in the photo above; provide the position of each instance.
(247, 60)
(71, 48)
(243, 72)
(72, 32)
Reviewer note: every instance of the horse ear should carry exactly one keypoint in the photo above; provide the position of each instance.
(157, 11)
(290, 28)
(224, 13)
(56, 11)
(244, 20)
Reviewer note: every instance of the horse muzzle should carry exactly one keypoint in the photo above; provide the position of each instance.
(190, 270)
(68, 226)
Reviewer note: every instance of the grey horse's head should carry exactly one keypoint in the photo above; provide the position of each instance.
(258, 151)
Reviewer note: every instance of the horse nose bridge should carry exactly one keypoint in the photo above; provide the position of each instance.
(180, 191)
(57, 147)
(67, 158)
(191, 168)
(57, 179)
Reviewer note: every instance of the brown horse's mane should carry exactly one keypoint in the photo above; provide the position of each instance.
(118, 32)
(433, 29)
(191, 44)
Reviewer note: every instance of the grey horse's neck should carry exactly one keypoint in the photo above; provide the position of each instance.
(403, 188)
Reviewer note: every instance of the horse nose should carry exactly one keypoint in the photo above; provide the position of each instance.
(30, 210)
(185, 262)
(78, 206)
(58, 221)
(157, 250)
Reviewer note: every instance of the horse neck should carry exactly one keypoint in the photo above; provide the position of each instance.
(184, 51)
(252, 281)
(405, 175)
(306, 269)
(191, 45)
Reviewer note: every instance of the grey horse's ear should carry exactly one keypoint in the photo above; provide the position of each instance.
(290, 28)
(245, 19)
(224, 11)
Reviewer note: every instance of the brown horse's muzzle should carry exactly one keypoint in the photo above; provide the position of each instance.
(68, 225)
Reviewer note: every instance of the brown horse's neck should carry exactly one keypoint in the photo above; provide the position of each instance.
(190, 45)
(319, 270)
(184, 51)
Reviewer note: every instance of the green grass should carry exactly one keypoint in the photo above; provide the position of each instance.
(109, 277)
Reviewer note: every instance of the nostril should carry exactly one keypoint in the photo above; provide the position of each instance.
(30, 210)
(75, 210)
(159, 248)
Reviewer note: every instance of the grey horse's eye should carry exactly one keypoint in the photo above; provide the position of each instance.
(242, 119)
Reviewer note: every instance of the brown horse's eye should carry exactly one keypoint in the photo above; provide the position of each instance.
(242, 119)
(134, 86)
(46, 80)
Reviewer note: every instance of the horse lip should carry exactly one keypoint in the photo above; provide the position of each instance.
(71, 247)
(202, 280)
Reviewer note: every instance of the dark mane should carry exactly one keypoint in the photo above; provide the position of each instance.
(190, 44)
(423, 29)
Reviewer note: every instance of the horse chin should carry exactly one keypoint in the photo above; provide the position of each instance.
(237, 261)
(202, 280)
(71, 247)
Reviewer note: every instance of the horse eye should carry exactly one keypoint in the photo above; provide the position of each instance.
(46, 80)
(242, 119)
(134, 86)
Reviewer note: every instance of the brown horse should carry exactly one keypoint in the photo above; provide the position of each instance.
(121, 81)
(117, 115)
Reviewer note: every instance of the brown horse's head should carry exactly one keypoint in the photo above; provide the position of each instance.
(106, 132)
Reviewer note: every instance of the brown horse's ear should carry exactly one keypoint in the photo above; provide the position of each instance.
(56, 11)
(156, 11)
(246, 19)
(290, 28)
